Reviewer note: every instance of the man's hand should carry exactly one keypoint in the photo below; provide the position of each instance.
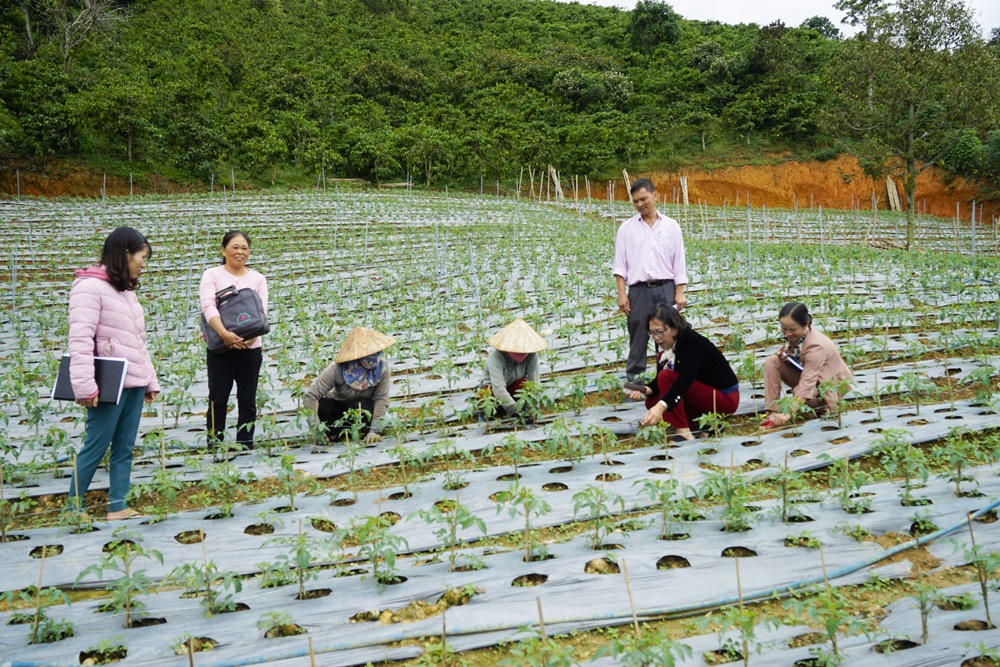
(623, 303)
(680, 300)
(372, 438)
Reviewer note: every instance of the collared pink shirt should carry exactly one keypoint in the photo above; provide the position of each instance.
(650, 253)
(217, 278)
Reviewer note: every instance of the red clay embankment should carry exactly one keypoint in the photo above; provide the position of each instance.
(837, 183)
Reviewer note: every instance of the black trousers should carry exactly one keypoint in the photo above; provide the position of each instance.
(243, 368)
(330, 412)
(642, 299)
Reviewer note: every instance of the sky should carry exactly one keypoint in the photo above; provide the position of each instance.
(791, 12)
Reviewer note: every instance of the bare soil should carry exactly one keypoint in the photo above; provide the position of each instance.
(831, 184)
(837, 183)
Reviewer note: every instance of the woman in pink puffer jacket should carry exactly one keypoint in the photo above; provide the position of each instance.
(106, 319)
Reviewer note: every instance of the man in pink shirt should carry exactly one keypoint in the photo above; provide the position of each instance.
(649, 261)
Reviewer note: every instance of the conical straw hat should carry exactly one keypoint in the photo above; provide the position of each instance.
(518, 337)
(361, 342)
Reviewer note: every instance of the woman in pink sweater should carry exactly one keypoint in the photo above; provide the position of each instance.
(806, 360)
(106, 319)
(241, 363)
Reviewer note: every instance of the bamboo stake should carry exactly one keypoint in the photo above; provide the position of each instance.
(974, 235)
(38, 595)
(76, 487)
(312, 654)
(444, 639)
(739, 594)
(190, 651)
(982, 579)
(631, 601)
(878, 399)
(163, 440)
(826, 581)
(541, 618)
(128, 575)
(749, 249)
(204, 556)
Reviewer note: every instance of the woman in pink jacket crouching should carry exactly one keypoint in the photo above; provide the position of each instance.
(106, 319)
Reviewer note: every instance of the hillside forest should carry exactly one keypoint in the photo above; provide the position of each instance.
(455, 91)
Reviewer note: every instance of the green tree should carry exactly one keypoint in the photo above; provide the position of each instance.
(990, 164)
(69, 24)
(652, 23)
(374, 145)
(35, 93)
(822, 25)
(918, 71)
(120, 104)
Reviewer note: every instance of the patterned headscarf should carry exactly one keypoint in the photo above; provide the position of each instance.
(365, 372)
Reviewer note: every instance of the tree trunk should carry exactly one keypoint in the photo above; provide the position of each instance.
(29, 34)
(66, 50)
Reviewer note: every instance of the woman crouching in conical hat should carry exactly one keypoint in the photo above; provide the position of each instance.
(359, 377)
(512, 361)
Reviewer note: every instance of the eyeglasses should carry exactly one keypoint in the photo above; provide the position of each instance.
(656, 333)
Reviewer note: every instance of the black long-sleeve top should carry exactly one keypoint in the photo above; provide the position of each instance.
(695, 359)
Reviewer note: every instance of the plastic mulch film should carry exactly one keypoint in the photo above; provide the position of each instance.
(579, 586)
(953, 636)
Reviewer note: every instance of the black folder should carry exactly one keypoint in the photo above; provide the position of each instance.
(109, 372)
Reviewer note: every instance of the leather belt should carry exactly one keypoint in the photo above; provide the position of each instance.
(651, 283)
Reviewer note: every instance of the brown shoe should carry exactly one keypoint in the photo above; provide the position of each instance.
(122, 515)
